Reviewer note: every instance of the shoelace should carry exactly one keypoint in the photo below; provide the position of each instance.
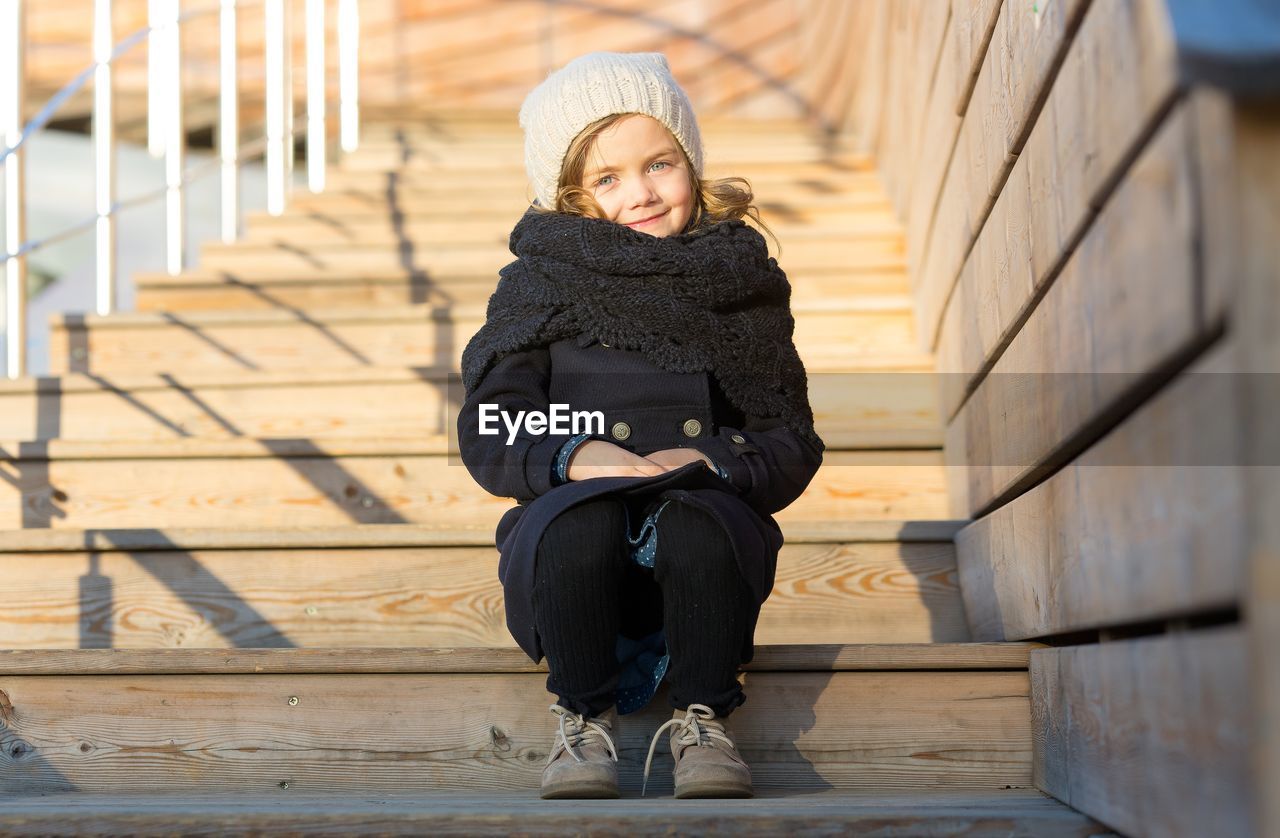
(583, 729)
(696, 728)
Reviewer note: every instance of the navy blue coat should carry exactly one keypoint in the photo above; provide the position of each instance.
(645, 409)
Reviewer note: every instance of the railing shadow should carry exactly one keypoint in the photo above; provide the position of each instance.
(420, 287)
(299, 313)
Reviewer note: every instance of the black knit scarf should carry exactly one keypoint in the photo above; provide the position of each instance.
(710, 299)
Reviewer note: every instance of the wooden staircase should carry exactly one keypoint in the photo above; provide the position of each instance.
(246, 584)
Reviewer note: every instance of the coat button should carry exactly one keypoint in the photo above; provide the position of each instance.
(692, 427)
(621, 430)
(738, 438)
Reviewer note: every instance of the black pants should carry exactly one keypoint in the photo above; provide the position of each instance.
(585, 582)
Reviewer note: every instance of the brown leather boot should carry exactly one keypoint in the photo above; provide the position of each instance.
(583, 762)
(707, 760)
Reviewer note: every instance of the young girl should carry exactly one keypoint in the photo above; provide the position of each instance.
(644, 545)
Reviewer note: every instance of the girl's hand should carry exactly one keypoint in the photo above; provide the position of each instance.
(598, 458)
(674, 458)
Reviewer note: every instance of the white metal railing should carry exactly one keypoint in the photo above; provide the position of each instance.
(167, 131)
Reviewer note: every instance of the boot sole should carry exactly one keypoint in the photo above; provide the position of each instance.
(700, 790)
(579, 791)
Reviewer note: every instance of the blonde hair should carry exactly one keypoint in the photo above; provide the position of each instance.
(716, 200)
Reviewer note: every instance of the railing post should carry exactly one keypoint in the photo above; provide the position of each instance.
(349, 73)
(12, 53)
(228, 123)
(175, 142)
(315, 96)
(274, 43)
(155, 79)
(104, 156)
(290, 139)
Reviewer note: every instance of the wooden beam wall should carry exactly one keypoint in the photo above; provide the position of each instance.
(1077, 241)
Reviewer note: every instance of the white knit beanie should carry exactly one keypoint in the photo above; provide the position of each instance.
(594, 86)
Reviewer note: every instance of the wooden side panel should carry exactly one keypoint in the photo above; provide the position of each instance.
(1048, 202)
(1146, 524)
(1124, 304)
(1257, 132)
(972, 25)
(941, 125)
(1150, 735)
(1017, 72)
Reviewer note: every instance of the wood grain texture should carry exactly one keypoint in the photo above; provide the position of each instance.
(1050, 200)
(869, 410)
(1017, 813)
(1124, 305)
(295, 488)
(284, 339)
(1256, 129)
(1018, 70)
(351, 732)
(1145, 524)
(1149, 735)
(411, 535)
(972, 26)
(404, 659)
(941, 125)
(423, 596)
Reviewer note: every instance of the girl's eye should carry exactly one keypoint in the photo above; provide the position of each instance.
(601, 181)
(660, 163)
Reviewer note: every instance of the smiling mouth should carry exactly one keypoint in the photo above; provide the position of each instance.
(647, 220)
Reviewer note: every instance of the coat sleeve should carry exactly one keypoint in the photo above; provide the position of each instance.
(523, 469)
(770, 467)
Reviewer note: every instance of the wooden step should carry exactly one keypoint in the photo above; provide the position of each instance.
(761, 156)
(512, 204)
(506, 211)
(851, 410)
(403, 585)
(1016, 813)
(212, 720)
(883, 253)
(417, 335)
(417, 234)
(329, 482)
(766, 181)
(257, 287)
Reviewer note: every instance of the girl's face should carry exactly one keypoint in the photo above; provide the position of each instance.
(638, 175)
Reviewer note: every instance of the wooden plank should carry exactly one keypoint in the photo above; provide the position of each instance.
(431, 233)
(1018, 813)
(1257, 189)
(941, 126)
(415, 335)
(1017, 73)
(348, 732)
(856, 254)
(972, 26)
(258, 289)
(1146, 524)
(1124, 305)
(871, 410)
(423, 596)
(1155, 738)
(1039, 217)
(370, 536)
(267, 488)
(847, 657)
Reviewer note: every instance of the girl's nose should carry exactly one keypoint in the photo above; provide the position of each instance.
(643, 193)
